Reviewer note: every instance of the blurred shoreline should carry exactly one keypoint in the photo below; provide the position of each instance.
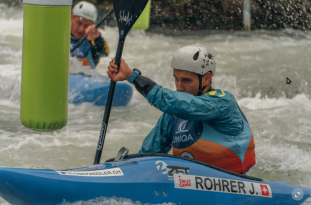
(193, 15)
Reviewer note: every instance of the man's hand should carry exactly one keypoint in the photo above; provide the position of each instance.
(124, 72)
(92, 32)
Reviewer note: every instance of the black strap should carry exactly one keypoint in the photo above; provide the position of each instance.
(201, 89)
(143, 85)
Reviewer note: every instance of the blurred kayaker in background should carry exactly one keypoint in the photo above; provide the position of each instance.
(199, 122)
(83, 17)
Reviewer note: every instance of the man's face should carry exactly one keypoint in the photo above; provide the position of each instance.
(78, 26)
(186, 81)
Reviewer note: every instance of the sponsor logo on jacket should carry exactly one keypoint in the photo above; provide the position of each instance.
(185, 132)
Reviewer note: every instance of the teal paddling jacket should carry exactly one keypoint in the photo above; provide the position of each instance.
(209, 128)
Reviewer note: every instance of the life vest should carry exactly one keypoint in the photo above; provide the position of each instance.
(83, 53)
(201, 141)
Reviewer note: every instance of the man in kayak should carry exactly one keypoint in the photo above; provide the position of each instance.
(83, 16)
(200, 122)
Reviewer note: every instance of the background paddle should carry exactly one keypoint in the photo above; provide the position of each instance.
(127, 12)
(84, 37)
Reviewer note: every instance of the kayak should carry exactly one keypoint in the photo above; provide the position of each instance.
(146, 178)
(94, 89)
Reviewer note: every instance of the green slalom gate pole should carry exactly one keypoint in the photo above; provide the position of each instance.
(45, 65)
(142, 22)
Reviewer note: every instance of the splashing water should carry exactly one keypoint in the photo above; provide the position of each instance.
(253, 66)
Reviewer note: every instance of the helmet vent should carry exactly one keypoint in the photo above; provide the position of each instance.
(196, 56)
(81, 6)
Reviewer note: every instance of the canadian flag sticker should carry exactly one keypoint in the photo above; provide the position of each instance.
(264, 190)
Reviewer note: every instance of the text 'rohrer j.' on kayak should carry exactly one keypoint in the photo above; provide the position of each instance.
(202, 183)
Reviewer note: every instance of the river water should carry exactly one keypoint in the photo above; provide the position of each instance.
(253, 66)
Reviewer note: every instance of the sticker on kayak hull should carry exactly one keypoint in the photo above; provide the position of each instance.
(170, 170)
(98, 173)
(202, 183)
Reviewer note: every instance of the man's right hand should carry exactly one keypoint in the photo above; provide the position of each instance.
(92, 32)
(124, 72)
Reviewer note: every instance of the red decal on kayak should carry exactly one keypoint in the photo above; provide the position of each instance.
(264, 190)
(183, 183)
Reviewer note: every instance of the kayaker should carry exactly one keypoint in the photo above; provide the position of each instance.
(199, 122)
(83, 16)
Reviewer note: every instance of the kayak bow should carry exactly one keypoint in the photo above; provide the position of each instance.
(147, 178)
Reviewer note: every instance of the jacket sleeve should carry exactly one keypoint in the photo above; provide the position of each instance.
(159, 139)
(190, 107)
(99, 48)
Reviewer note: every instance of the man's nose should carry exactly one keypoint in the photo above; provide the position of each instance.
(81, 29)
(179, 86)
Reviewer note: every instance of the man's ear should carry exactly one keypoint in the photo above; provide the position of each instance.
(207, 78)
(72, 17)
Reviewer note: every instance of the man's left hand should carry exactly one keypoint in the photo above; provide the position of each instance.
(92, 32)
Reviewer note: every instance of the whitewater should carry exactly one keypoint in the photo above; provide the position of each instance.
(253, 66)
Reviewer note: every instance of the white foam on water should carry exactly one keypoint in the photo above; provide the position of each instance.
(128, 128)
(8, 103)
(10, 71)
(19, 54)
(11, 27)
(227, 83)
(77, 67)
(281, 157)
(10, 89)
(307, 201)
(110, 201)
(303, 100)
(81, 134)
(6, 50)
(259, 103)
(31, 141)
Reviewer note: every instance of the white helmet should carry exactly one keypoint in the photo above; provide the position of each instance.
(194, 59)
(85, 10)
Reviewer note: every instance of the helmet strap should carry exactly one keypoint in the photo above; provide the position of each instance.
(201, 88)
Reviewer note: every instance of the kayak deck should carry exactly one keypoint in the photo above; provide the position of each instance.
(147, 178)
(94, 89)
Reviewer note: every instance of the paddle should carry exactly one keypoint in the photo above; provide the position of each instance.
(126, 12)
(84, 37)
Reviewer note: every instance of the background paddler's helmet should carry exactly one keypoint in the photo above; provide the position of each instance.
(194, 59)
(85, 10)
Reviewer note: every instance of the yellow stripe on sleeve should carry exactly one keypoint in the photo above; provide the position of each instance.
(212, 92)
(223, 93)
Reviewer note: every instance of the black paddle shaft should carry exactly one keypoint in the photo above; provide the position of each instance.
(126, 12)
(84, 37)
(105, 121)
